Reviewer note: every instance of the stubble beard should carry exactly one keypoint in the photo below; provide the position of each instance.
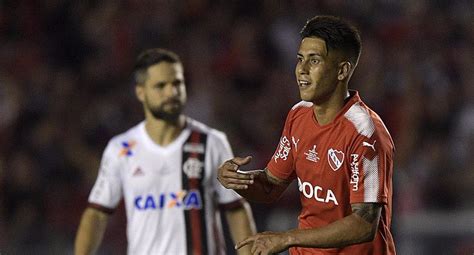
(159, 112)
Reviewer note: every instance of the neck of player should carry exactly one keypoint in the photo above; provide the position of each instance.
(164, 132)
(325, 112)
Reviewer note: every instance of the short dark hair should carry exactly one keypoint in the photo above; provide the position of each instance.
(337, 33)
(152, 57)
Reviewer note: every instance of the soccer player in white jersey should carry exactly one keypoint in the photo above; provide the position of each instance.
(165, 169)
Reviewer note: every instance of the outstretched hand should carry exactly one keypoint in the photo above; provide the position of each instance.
(230, 178)
(265, 243)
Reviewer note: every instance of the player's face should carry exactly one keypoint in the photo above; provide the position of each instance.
(164, 92)
(316, 70)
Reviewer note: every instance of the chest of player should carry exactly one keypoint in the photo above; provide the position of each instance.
(320, 155)
(149, 171)
(322, 162)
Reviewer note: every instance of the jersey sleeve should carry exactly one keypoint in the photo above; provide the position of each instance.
(281, 164)
(219, 147)
(107, 190)
(371, 166)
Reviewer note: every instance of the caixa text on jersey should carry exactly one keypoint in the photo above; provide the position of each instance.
(183, 199)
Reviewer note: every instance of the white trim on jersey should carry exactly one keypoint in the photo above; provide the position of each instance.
(302, 104)
(371, 179)
(361, 119)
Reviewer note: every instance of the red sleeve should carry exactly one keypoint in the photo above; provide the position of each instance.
(371, 166)
(281, 164)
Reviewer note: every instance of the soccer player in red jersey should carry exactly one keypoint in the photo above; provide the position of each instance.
(337, 148)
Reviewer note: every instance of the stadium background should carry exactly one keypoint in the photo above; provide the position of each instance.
(65, 89)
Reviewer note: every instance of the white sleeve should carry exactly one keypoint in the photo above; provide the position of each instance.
(219, 148)
(107, 190)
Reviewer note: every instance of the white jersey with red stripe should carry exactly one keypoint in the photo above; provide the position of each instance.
(170, 192)
(347, 161)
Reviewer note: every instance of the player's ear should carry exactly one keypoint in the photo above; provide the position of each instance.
(345, 69)
(139, 92)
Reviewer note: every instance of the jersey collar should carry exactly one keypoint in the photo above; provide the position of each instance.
(176, 144)
(350, 101)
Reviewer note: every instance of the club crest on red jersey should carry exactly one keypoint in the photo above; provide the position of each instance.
(335, 158)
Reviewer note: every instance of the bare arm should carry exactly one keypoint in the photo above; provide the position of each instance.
(259, 187)
(90, 232)
(241, 225)
(359, 227)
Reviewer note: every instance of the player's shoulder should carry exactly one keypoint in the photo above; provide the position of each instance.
(366, 122)
(361, 118)
(301, 105)
(299, 109)
(129, 137)
(212, 133)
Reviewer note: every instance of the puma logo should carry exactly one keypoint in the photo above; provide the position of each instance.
(369, 145)
(295, 142)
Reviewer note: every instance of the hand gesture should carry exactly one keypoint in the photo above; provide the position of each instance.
(265, 243)
(230, 178)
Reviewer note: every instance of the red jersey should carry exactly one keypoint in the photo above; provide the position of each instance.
(349, 160)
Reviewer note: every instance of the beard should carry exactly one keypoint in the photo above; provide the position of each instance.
(168, 111)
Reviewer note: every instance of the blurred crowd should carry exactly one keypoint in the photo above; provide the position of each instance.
(66, 88)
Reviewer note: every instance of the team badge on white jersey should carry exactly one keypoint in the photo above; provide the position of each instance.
(127, 148)
(335, 158)
(193, 168)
